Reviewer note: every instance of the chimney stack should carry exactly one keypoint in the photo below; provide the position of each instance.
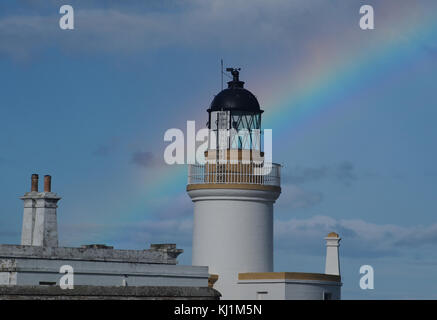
(332, 257)
(34, 187)
(47, 183)
(40, 227)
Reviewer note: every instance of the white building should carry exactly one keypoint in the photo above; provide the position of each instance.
(233, 195)
(33, 268)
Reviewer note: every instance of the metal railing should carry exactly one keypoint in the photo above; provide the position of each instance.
(235, 173)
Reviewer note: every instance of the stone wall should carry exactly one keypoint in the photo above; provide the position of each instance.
(107, 293)
(164, 256)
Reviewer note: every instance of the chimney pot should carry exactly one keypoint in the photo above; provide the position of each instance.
(34, 187)
(47, 183)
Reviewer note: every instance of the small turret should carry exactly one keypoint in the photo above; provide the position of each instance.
(332, 256)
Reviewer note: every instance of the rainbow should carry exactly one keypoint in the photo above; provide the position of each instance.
(292, 105)
(321, 84)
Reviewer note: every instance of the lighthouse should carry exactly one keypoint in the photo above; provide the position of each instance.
(234, 191)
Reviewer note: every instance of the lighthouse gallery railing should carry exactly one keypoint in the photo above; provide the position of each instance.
(235, 173)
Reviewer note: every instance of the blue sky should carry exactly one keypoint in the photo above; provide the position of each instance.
(90, 107)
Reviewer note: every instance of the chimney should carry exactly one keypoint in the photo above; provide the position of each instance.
(39, 216)
(34, 187)
(47, 183)
(332, 257)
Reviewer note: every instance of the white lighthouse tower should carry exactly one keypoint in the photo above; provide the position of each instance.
(234, 192)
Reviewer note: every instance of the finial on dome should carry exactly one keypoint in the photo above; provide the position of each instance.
(235, 73)
(235, 83)
(332, 235)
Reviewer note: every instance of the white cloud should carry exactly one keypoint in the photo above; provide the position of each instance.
(360, 238)
(197, 24)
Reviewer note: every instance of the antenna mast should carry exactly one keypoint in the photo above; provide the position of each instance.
(222, 72)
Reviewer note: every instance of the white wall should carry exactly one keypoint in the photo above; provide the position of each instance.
(22, 271)
(288, 289)
(233, 233)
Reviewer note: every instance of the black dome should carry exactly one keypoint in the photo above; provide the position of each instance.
(235, 97)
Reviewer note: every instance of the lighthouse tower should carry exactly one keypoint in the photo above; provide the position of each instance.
(234, 191)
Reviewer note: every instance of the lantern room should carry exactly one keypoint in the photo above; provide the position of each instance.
(235, 117)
